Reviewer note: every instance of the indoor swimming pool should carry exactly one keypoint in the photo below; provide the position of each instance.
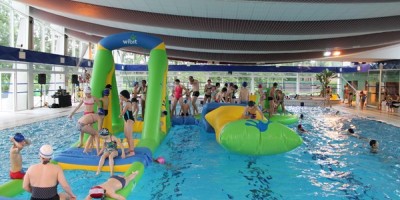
(329, 165)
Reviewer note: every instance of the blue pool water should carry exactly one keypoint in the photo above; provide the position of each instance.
(59, 132)
(329, 165)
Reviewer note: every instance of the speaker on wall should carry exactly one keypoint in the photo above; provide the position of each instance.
(74, 79)
(42, 78)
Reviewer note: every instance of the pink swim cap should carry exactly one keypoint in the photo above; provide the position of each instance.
(161, 160)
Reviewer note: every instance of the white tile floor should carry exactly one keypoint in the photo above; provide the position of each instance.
(13, 119)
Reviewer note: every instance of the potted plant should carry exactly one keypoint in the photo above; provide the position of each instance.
(325, 78)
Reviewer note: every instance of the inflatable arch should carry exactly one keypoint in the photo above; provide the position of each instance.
(104, 73)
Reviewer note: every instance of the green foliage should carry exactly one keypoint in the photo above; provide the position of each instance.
(325, 78)
(4, 26)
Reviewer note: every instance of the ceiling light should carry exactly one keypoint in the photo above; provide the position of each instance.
(327, 53)
(337, 53)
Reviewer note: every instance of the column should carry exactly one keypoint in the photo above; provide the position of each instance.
(297, 83)
(30, 37)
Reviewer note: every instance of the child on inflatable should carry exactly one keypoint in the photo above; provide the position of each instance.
(250, 112)
(103, 109)
(110, 187)
(126, 111)
(109, 150)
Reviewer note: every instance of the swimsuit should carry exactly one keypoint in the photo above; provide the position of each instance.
(128, 115)
(111, 146)
(178, 92)
(88, 101)
(184, 114)
(44, 193)
(101, 111)
(196, 93)
(120, 179)
(17, 175)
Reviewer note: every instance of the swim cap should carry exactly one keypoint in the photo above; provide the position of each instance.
(244, 84)
(106, 92)
(87, 90)
(259, 86)
(160, 160)
(125, 94)
(351, 130)
(108, 86)
(301, 116)
(18, 137)
(135, 83)
(97, 192)
(164, 112)
(46, 151)
(104, 132)
(250, 103)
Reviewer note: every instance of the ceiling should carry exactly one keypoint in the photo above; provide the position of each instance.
(236, 31)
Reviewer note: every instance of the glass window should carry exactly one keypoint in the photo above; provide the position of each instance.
(37, 36)
(4, 25)
(47, 40)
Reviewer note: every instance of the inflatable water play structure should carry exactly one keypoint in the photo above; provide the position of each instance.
(151, 134)
(247, 136)
(285, 118)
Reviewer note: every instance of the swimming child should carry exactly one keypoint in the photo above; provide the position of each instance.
(251, 111)
(301, 129)
(109, 150)
(19, 142)
(374, 146)
(221, 96)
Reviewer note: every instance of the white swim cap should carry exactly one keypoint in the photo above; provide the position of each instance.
(87, 90)
(46, 151)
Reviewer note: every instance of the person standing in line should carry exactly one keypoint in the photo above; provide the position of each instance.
(207, 92)
(244, 94)
(143, 92)
(195, 93)
(177, 95)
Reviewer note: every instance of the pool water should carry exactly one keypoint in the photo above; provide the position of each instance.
(60, 133)
(329, 165)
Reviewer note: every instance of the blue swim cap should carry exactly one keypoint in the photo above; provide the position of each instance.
(106, 92)
(244, 84)
(18, 137)
(104, 132)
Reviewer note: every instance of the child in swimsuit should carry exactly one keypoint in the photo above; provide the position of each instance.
(126, 111)
(89, 102)
(110, 187)
(19, 142)
(250, 112)
(103, 109)
(109, 150)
